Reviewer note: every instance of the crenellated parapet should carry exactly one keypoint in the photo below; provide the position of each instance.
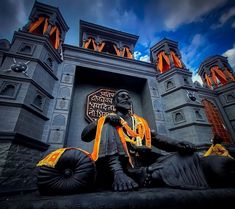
(166, 55)
(106, 40)
(47, 21)
(215, 71)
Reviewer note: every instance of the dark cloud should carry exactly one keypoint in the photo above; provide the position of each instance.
(13, 15)
(171, 14)
(114, 14)
(150, 19)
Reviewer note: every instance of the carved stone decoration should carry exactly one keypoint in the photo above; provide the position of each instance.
(191, 96)
(178, 117)
(169, 85)
(26, 48)
(198, 115)
(18, 67)
(62, 104)
(99, 103)
(64, 92)
(56, 136)
(59, 120)
(70, 69)
(186, 81)
(67, 78)
(39, 101)
(9, 89)
(49, 62)
(230, 97)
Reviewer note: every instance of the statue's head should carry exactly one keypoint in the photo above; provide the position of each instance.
(122, 100)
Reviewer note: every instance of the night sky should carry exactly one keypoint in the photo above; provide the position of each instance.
(201, 27)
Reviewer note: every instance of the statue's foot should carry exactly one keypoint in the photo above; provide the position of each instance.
(141, 175)
(122, 182)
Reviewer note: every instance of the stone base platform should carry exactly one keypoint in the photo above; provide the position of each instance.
(146, 198)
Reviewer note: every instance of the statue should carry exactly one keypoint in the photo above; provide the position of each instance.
(123, 158)
(122, 151)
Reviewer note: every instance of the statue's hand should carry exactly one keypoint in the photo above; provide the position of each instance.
(142, 149)
(122, 182)
(185, 147)
(113, 120)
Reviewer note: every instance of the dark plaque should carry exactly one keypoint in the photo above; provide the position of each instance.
(99, 103)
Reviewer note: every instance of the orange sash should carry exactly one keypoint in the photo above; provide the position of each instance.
(135, 135)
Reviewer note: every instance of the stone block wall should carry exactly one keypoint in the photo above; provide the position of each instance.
(18, 167)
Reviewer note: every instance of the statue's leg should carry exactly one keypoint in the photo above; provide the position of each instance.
(121, 182)
(110, 153)
(175, 170)
(219, 171)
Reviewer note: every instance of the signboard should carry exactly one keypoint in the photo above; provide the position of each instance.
(99, 103)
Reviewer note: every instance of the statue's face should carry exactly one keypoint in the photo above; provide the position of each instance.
(123, 100)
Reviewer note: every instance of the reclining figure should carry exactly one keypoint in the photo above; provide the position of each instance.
(125, 159)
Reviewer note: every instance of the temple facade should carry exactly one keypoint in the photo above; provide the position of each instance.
(49, 91)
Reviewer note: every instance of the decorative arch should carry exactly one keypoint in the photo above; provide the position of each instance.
(90, 44)
(127, 52)
(107, 47)
(215, 118)
(218, 76)
(8, 90)
(38, 101)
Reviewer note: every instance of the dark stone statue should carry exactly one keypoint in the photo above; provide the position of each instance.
(126, 160)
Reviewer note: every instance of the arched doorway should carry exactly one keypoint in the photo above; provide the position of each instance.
(215, 118)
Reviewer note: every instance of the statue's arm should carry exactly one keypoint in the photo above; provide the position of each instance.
(170, 145)
(88, 133)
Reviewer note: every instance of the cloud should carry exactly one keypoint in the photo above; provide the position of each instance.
(145, 58)
(137, 55)
(230, 54)
(190, 53)
(13, 15)
(112, 14)
(224, 18)
(171, 14)
(196, 77)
